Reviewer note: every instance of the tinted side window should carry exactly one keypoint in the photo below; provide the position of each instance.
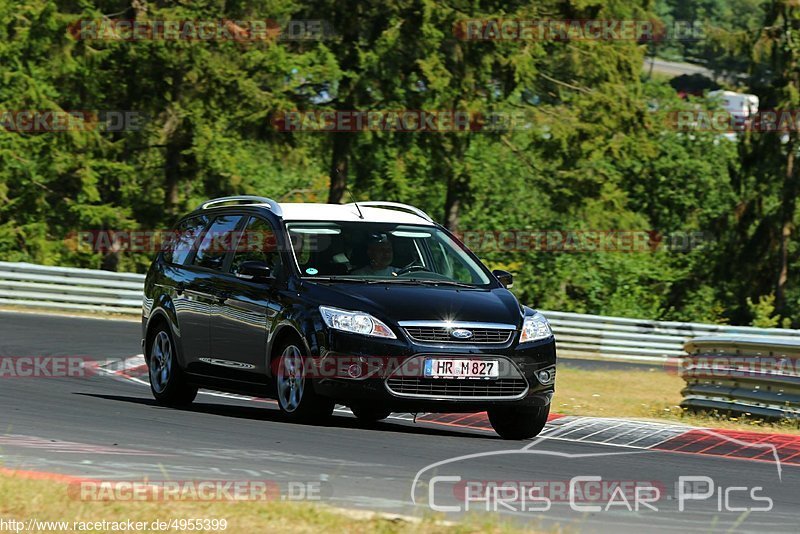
(179, 243)
(257, 243)
(217, 242)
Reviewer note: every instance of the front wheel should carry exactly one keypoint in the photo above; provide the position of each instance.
(167, 381)
(296, 396)
(519, 423)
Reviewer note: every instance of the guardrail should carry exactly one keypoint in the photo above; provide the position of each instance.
(66, 288)
(621, 338)
(578, 335)
(755, 375)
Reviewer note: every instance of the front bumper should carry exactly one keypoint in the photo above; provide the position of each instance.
(389, 372)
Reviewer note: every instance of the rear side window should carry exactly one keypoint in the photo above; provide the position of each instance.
(217, 242)
(180, 242)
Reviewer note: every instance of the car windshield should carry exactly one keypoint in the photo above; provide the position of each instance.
(381, 252)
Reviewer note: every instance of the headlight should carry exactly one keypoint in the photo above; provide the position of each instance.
(355, 322)
(535, 328)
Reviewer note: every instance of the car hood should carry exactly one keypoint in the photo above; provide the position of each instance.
(400, 302)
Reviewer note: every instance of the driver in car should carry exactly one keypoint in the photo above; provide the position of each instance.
(380, 254)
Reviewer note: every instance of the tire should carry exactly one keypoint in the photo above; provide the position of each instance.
(369, 415)
(167, 380)
(295, 391)
(516, 423)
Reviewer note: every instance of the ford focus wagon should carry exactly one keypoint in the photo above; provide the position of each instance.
(371, 305)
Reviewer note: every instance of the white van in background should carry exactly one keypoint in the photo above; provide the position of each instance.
(736, 103)
(740, 105)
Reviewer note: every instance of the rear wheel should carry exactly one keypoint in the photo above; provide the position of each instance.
(369, 414)
(167, 381)
(519, 423)
(296, 396)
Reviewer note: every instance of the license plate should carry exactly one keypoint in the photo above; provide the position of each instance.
(446, 368)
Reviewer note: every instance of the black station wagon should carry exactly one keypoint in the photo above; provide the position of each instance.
(371, 305)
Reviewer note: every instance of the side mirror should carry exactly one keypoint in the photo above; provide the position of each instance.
(504, 277)
(257, 271)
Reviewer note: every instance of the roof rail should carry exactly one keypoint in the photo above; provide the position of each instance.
(395, 205)
(243, 200)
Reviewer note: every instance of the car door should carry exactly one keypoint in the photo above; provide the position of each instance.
(191, 327)
(206, 267)
(241, 320)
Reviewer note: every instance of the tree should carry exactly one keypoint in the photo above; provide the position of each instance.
(768, 184)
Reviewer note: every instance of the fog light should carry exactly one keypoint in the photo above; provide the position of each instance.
(546, 376)
(354, 370)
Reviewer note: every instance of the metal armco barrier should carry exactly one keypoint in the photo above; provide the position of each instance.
(577, 335)
(621, 338)
(66, 288)
(741, 374)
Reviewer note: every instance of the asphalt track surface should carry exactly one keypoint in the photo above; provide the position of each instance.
(108, 428)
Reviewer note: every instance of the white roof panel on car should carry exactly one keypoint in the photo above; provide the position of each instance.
(348, 212)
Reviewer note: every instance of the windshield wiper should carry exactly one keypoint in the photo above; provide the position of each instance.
(348, 279)
(332, 279)
(373, 281)
(437, 282)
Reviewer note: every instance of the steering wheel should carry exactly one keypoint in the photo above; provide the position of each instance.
(411, 268)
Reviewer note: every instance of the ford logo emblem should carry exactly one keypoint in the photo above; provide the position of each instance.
(461, 333)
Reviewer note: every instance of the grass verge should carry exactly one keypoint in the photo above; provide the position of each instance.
(22, 499)
(648, 394)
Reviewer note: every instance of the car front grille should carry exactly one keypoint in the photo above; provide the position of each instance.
(432, 334)
(457, 387)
